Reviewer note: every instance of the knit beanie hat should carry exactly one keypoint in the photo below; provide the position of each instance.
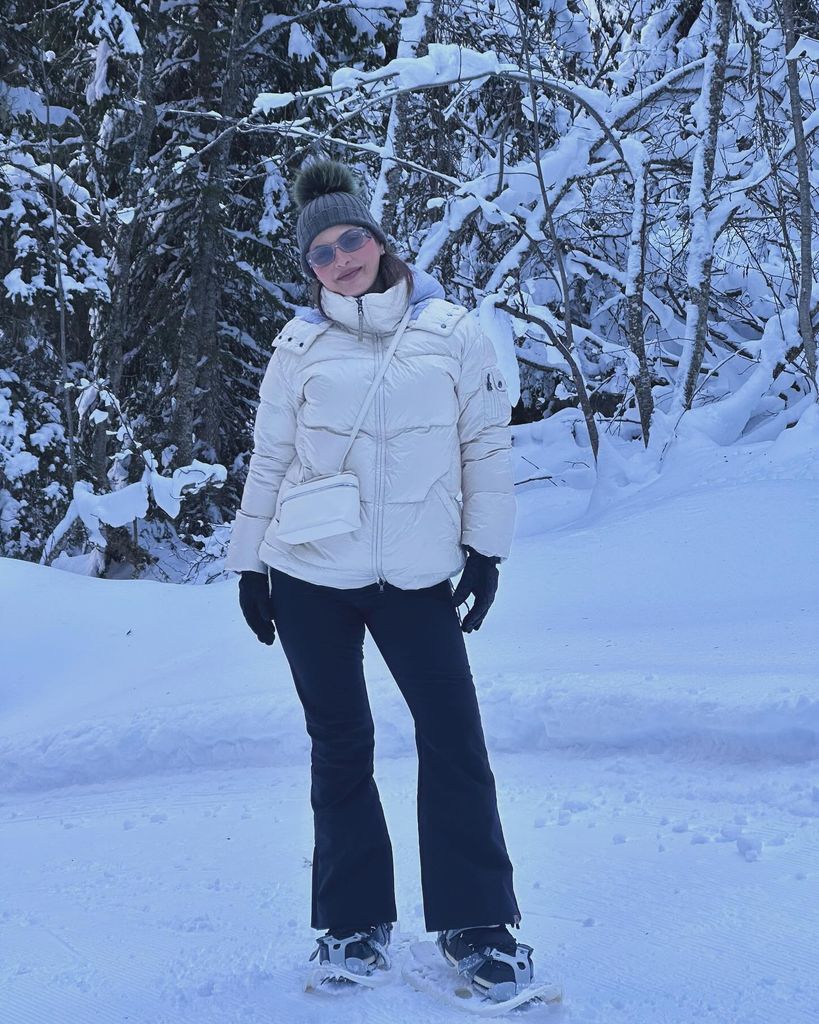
(327, 194)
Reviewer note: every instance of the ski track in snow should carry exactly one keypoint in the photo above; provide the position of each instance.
(648, 683)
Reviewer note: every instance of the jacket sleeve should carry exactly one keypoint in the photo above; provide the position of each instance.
(487, 480)
(274, 434)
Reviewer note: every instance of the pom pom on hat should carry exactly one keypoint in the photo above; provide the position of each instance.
(321, 177)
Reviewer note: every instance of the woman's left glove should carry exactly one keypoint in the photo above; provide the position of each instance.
(254, 600)
(480, 577)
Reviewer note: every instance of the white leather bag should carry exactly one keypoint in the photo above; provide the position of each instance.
(329, 505)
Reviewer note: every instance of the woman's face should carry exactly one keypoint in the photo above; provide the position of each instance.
(350, 273)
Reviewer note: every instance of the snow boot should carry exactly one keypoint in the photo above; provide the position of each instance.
(359, 951)
(495, 963)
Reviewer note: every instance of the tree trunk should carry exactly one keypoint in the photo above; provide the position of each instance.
(199, 352)
(701, 253)
(805, 210)
(59, 289)
(400, 132)
(112, 332)
(568, 349)
(635, 281)
(577, 375)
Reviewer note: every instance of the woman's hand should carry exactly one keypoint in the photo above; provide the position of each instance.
(480, 577)
(254, 600)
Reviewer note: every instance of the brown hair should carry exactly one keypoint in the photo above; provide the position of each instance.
(391, 270)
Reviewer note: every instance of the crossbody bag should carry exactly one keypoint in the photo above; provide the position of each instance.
(328, 505)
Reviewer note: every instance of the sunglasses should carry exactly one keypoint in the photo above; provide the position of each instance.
(350, 241)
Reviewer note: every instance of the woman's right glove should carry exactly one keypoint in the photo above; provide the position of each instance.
(257, 608)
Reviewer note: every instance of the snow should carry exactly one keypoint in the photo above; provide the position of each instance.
(299, 45)
(744, 8)
(47, 434)
(18, 181)
(737, 409)
(168, 492)
(97, 86)
(112, 21)
(19, 464)
(267, 101)
(648, 684)
(118, 508)
(805, 46)
(809, 126)
(22, 100)
(443, 63)
(125, 504)
(413, 28)
(17, 288)
(637, 157)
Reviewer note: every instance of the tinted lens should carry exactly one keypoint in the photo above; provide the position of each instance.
(350, 241)
(321, 256)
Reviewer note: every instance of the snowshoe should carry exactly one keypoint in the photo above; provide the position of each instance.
(351, 955)
(490, 959)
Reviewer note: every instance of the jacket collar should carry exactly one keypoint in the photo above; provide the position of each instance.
(382, 311)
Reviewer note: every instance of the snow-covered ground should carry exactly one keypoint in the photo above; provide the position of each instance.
(648, 678)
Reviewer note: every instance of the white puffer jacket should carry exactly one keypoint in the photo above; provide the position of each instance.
(432, 455)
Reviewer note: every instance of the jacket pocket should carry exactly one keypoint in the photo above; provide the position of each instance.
(449, 503)
(497, 408)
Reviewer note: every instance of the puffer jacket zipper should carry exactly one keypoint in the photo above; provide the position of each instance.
(360, 305)
(382, 434)
(377, 511)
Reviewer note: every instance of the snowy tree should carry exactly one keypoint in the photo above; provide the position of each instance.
(33, 447)
(626, 193)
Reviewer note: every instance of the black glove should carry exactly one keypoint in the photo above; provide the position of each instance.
(254, 600)
(480, 577)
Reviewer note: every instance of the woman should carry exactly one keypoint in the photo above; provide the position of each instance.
(433, 463)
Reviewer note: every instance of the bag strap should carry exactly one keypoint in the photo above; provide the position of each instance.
(382, 369)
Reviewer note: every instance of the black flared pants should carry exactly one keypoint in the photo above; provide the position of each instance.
(466, 874)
